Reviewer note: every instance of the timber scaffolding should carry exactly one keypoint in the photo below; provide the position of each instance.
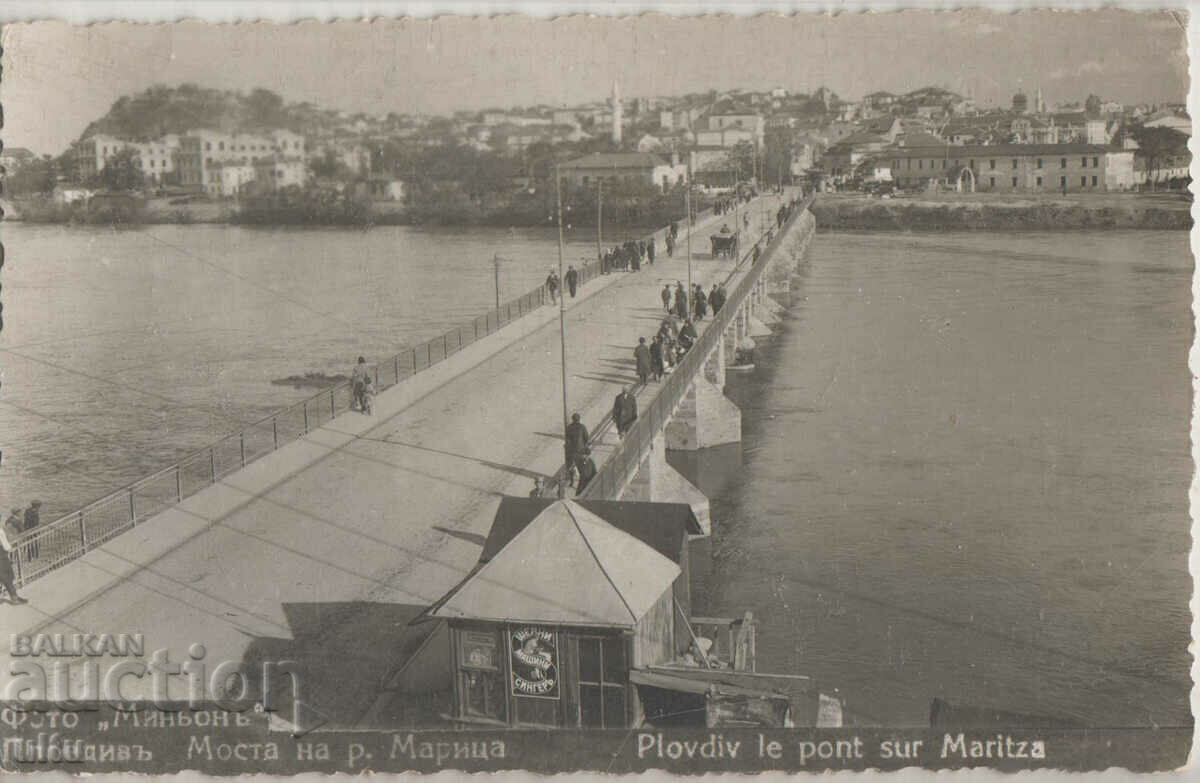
(70, 536)
(621, 466)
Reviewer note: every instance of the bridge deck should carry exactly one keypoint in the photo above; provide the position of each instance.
(322, 551)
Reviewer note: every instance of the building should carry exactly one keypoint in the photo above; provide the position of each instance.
(642, 167)
(1183, 123)
(229, 180)
(738, 124)
(1014, 167)
(578, 615)
(13, 158)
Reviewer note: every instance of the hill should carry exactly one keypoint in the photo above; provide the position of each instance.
(162, 109)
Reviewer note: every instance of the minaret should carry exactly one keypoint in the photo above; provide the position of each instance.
(616, 114)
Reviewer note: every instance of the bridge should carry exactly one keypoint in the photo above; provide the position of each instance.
(318, 533)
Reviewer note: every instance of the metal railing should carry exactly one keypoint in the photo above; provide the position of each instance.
(622, 464)
(69, 537)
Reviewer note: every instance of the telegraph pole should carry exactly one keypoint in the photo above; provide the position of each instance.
(599, 220)
(562, 318)
(687, 201)
(496, 261)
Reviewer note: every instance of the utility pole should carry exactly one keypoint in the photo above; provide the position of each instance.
(599, 220)
(562, 318)
(496, 261)
(687, 201)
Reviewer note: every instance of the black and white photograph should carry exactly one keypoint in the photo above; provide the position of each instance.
(677, 391)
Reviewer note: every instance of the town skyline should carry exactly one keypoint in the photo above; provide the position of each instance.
(437, 67)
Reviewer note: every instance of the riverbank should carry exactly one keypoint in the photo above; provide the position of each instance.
(996, 212)
(341, 211)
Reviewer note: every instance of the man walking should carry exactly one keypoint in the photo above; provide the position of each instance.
(650, 251)
(624, 411)
(552, 286)
(358, 384)
(656, 357)
(576, 443)
(641, 355)
(7, 577)
(666, 297)
(681, 304)
(572, 279)
(701, 303)
(587, 472)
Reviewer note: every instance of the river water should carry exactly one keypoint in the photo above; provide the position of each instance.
(965, 460)
(964, 474)
(123, 351)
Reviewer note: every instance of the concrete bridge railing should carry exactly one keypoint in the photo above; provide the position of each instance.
(660, 425)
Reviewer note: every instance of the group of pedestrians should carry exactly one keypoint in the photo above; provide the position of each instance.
(20, 521)
(676, 302)
(581, 468)
(553, 284)
(629, 256)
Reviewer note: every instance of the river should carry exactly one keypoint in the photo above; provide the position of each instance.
(965, 460)
(964, 473)
(123, 351)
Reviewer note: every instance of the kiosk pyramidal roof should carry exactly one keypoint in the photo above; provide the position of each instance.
(569, 567)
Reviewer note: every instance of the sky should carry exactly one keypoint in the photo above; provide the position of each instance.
(57, 77)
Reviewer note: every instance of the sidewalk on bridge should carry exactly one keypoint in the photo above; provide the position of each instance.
(320, 550)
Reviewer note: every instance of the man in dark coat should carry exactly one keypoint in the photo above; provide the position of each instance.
(624, 411)
(572, 279)
(666, 297)
(656, 357)
(7, 577)
(587, 472)
(681, 304)
(701, 304)
(641, 355)
(687, 335)
(576, 441)
(650, 251)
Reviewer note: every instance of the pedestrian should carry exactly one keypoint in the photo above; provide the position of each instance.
(368, 396)
(33, 519)
(358, 380)
(552, 286)
(656, 357)
(650, 251)
(701, 304)
(587, 472)
(722, 296)
(666, 297)
(624, 411)
(7, 577)
(670, 245)
(641, 355)
(681, 304)
(576, 441)
(538, 488)
(687, 336)
(572, 279)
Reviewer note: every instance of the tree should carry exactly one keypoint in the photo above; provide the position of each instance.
(36, 176)
(778, 153)
(121, 172)
(1156, 145)
(1092, 105)
(264, 109)
(741, 159)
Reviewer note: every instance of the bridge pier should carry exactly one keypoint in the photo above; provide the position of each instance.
(658, 482)
(705, 417)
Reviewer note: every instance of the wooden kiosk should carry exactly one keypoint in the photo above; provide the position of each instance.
(576, 616)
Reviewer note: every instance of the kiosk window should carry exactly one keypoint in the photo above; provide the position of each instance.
(603, 671)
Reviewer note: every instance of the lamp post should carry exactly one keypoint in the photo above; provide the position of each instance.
(562, 319)
(687, 201)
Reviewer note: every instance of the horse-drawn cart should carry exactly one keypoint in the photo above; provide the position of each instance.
(724, 244)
